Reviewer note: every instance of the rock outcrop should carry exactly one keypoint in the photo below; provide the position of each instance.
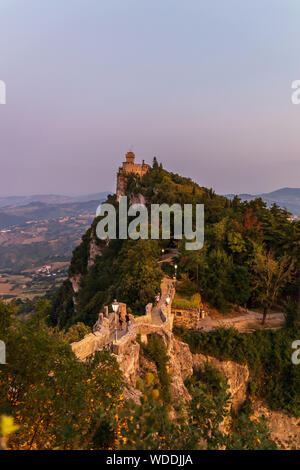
(285, 429)
(75, 281)
(237, 376)
(180, 368)
(137, 199)
(94, 251)
(129, 364)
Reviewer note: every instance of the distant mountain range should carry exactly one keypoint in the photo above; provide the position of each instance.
(16, 201)
(18, 210)
(288, 198)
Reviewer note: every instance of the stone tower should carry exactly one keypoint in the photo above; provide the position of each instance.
(130, 157)
(129, 167)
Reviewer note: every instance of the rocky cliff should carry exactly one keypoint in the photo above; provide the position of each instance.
(285, 430)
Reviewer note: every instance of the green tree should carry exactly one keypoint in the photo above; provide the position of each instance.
(76, 332)
(140, 275)
(270, 277)
(57, 401)
(155, 165)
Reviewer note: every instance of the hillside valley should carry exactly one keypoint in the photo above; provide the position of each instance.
(40, 231)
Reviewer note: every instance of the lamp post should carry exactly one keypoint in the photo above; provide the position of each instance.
(175, 270)
(115, 307)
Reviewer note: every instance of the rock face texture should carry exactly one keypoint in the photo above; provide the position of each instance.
(285, 429)
(180, 368)
(181, 365)
(95, 251)
(129, 363)
(237, 376)
(137, 199)
(75, 281)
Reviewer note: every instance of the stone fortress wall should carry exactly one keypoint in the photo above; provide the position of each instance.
(188, 318)
(104, 331)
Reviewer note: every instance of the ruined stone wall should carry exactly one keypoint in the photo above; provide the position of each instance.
(147, 318)
(90, 344)
(100, 338)
(187, 318)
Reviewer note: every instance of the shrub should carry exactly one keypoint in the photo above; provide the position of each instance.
(268, 356)
(156, 351)
(181, 302)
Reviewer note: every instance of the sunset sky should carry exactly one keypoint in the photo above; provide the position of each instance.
(205, 85)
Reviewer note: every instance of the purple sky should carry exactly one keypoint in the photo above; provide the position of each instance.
(204, 84)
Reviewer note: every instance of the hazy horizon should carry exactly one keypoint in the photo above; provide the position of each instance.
(203, 85)
(72, 194)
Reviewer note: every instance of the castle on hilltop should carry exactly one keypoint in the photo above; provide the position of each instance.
(129, 167)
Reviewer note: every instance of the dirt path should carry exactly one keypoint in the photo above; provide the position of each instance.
(248, 322)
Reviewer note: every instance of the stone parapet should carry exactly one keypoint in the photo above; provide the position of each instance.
(90, 344)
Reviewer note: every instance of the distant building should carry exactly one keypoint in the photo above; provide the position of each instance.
(129, 167)
(44, 270)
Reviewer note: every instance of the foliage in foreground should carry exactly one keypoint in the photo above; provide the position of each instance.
(57, 401)
(196, 425)
(53, 401)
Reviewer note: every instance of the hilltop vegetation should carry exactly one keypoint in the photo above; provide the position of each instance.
(246, 244)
